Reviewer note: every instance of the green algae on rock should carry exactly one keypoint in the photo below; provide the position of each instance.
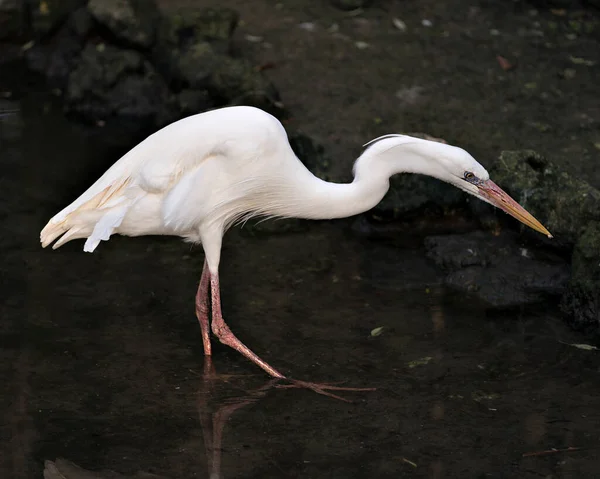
(564, 203)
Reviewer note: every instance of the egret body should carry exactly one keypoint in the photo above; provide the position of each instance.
(197, 177)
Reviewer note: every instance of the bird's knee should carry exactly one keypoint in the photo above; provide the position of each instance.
(222, 332)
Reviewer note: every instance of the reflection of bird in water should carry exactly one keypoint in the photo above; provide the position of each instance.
(199, 176)
(213, 419)
(215, 407)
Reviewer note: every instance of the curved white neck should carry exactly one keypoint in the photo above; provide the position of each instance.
(327, 200)
(318, 199)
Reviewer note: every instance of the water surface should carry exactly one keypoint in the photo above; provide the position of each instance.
(102, 359)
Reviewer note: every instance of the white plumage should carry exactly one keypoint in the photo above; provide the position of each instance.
(195, 161)
(198, 176)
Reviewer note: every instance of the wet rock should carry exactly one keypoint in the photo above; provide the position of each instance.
(236, 82)
(192, 52)
(196, 65)
(581, 301)
(215, 25)
(230, 81)
(12, 19)
(81, 22)
(496, 269)
(47, 16)
(188, 26)
(132, 22)
(350, 4)
(560, 201)
(56, 56)
(112, 82)
(189, 41)
(586, 255)
(126, 41)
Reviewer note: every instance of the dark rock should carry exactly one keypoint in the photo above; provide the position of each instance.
(48, 15)
(311, 154)
(192, 52)
(194, 101)
(80, 22)
(496, 269)
(236, 82)
(132, 22)
(188, 43)
(189, 26)
(215, 25)
(56, 56)
(586, 254)
(229, 81)
(12, 19)
(563, 203)
(111, 82)
(196, 64)
(581, 301)
(350, 4)
(411, 195)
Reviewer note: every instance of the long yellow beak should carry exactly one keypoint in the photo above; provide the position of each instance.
(499, 198)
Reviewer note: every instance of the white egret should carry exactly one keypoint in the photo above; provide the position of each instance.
(197, 177)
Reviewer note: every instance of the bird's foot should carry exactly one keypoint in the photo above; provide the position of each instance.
(320, 388)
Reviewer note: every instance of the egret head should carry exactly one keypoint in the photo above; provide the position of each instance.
(452, 165)
(466, 173)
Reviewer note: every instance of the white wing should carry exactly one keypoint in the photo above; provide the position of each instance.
(143, 178)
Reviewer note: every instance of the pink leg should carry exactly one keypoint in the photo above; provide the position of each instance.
(222, 331)
(202, 308)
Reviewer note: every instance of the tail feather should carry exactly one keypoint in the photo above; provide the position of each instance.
(68, 236)
(52, 231)
(95, 219)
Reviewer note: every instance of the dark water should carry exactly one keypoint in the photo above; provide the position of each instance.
(102, 360)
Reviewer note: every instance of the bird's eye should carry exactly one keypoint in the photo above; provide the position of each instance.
(469, 176)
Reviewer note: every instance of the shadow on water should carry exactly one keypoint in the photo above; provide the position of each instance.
(102, 358)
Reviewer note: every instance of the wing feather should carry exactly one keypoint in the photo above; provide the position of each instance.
(155, 167)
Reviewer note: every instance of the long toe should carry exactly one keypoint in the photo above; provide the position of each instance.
(320, 388)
